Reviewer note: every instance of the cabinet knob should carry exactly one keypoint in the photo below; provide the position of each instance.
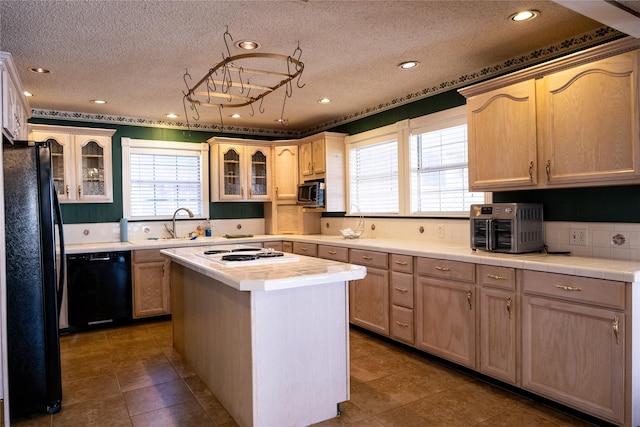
(368, 258)
(548, 169)
(79, 190)
(401, 289)
(66, 189)
(531, 171)
(616, 329)
(439, 268)
(332, 252)
(469, 295)
(509, 307)
(401, 262)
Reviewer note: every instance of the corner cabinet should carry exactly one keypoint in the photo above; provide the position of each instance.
(570, 122)
(81, 162)
(240, 171)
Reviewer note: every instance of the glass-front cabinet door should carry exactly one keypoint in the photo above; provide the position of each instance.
(259, 175)
(232, 186)
(80, 162)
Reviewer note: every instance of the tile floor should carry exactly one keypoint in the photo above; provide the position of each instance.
(130, 376)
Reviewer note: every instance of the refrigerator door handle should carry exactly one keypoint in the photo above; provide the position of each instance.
(63, 260)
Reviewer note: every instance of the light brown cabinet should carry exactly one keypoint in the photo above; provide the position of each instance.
(308, 249)
(573, 342)
(285, 172)
(151, 284)
(335, 253)
(241, 170)
(567, 123)
(401, 296)
(446, 309)
(499, 323)
(369, 297)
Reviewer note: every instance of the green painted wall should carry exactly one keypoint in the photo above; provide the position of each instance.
(597, 204)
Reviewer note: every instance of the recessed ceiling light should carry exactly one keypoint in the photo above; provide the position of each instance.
(27, 94)
(172, 116)
(39, 70)
(525, 15)
(235, 116)
(248, 45)
(98, 101)
(408, 64)
(324, 101)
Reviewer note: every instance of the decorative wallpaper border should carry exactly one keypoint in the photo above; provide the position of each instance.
(574, 44)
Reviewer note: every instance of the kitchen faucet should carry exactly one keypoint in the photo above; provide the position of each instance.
(172, 231)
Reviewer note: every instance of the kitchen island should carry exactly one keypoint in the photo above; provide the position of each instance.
(269, 337)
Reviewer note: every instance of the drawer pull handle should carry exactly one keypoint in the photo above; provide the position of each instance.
(442, 268)
(401, 262)
(531, 171)
(332, 252)
(368, 258)
(304, 248)
(401, 289)
(568, 288)
(509, 307)
(616, 329)
(404, 325)
(496, 277)
(469, 294)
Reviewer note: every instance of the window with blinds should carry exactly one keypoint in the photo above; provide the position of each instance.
(439, 172)
(373, 178)
(157, 181)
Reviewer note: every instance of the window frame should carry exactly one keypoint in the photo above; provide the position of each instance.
(130, 145)
(403, 130)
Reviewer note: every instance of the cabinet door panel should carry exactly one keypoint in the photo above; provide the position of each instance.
(502, 138)
(589, 121)
(446, 319)
(498, 334)
(151, 289)
(286, 172)
(575, 354)
(369, 301)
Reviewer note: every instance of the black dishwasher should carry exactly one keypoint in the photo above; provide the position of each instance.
(99, 289)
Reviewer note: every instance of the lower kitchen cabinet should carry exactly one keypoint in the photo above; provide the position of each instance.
(499, 323)
(401, 298)
(308, 249)
(369, 297)
(574, 352)
(151, 284)
(446, 309)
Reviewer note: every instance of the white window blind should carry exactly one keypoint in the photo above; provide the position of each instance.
(439, 172)
(159, 177)
(160, 184)
(373, 178)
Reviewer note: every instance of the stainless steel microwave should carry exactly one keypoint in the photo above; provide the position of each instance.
(311, 194)
(507, 227)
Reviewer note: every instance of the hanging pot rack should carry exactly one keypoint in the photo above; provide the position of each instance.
(229, 84)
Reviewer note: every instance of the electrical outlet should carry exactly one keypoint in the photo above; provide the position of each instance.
(441, 231)
(578, 236)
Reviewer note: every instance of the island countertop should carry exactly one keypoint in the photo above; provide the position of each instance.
(266, 276)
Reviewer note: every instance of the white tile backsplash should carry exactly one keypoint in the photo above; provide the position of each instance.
(600, 235)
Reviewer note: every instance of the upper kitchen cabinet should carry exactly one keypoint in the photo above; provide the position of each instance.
(81, 162)
(571, 122)
(501, 126)
(322, 158)
(240, 170)
(15, 107)
(285, 171)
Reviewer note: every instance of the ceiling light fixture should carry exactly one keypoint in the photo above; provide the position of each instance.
(324, 101)
(247, 45)
(98, 101)
(172, 116)
(525, 15)
(408, 64)
(27, 94)
(240, 80)
(39, 70)
(235, 116)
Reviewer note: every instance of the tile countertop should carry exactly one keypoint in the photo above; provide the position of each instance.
(610, 269)
(298, 271)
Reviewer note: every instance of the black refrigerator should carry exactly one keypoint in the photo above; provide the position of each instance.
(34, 286)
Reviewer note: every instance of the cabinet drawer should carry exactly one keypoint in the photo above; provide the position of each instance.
(497, 277)
(309, 249)
(276, 245)
(454, 270)
(402, 324)
(148, 255)
(287, 247)
(368, 258)
(333, 252)
(601, 292)
(401, 289)
(403, 263)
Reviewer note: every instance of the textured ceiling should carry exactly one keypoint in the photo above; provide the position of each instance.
(134, 53)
